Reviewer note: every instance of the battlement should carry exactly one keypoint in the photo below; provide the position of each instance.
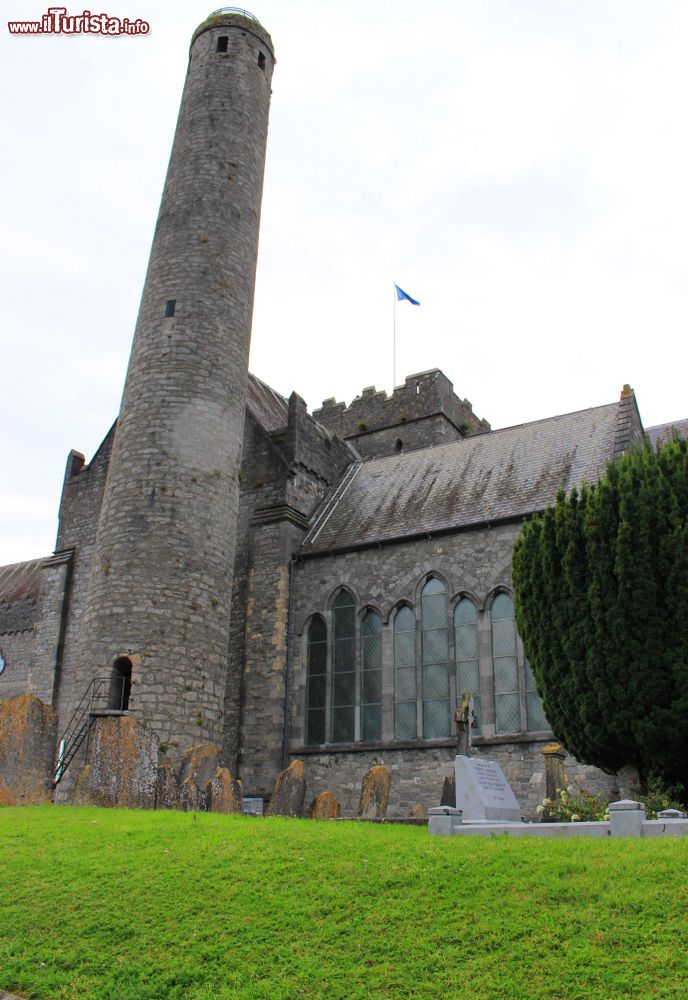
(426, 397)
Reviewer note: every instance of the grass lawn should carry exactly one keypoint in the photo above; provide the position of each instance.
(109, 904)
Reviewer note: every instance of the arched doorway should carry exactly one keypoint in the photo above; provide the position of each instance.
(120, 684)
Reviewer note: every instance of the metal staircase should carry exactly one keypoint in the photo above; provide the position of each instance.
(101, 697)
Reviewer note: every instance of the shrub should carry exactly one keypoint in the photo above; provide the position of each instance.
(656, 797)
(573, 805)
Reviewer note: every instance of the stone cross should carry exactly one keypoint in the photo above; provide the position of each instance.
(466, 720)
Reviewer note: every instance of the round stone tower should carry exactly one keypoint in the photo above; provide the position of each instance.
(157, 610)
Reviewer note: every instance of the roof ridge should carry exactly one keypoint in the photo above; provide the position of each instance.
(474, 439)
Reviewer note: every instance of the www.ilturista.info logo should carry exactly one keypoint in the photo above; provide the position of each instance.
(58, 22)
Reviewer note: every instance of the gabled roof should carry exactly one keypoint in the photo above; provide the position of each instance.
(500, 475)
(19, 580)
(662, 432)
(266, 405)
(18, 591)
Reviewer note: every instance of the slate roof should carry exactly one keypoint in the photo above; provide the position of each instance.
(495, 476)
(662, 432)
(267, 406)
(18, 591)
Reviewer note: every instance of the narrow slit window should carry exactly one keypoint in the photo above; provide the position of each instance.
(222, 43)
(261, 61)
(170, 306)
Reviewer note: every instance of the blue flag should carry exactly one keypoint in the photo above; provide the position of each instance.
(401, 294)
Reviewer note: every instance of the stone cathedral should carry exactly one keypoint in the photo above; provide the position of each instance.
(233, 570)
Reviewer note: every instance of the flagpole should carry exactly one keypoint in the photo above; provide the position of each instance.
(394, 341)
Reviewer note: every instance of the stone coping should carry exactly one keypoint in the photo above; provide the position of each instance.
(626, 819)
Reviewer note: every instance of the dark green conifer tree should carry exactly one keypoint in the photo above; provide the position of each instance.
(601, 587)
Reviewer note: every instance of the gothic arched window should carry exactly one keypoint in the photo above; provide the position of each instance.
(505, 665)
(518, 707)
(316, 683)
(535, 713)
(435, 659)
(371, 676)
(466, 652)
(343, 668)
(405, 674)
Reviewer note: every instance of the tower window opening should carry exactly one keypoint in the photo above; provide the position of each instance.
(261, 61)
(170, 307)
(399, 446)
(222, 43)
(120, 684)
(417, 388)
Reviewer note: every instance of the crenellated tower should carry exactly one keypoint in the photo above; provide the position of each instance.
(158, 601)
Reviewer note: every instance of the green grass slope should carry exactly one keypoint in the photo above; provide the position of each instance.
(117, 904)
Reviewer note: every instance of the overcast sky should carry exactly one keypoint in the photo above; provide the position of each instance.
(517, 165)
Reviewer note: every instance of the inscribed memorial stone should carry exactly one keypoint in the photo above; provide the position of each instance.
(482, 791)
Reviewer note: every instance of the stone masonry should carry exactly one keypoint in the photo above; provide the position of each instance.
(218, 520)
(422, 412)
(159, 590)
(474, 563)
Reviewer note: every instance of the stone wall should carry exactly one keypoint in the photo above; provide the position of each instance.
(51, 619)
(122, 767)
(82, 495)
(405, 436)
(28, 730)
(19, 585)
(284, 475)
(17, 651)
(418, 774)
(427, 394)
(159, 591)
(473, 563)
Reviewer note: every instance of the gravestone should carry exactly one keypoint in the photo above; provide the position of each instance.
(448, 797)
(324, 806)
(555, 776)
(375, 793)
(482, 791)
(290, 790)
(224, 792)
(196, 768)
(166, 788)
